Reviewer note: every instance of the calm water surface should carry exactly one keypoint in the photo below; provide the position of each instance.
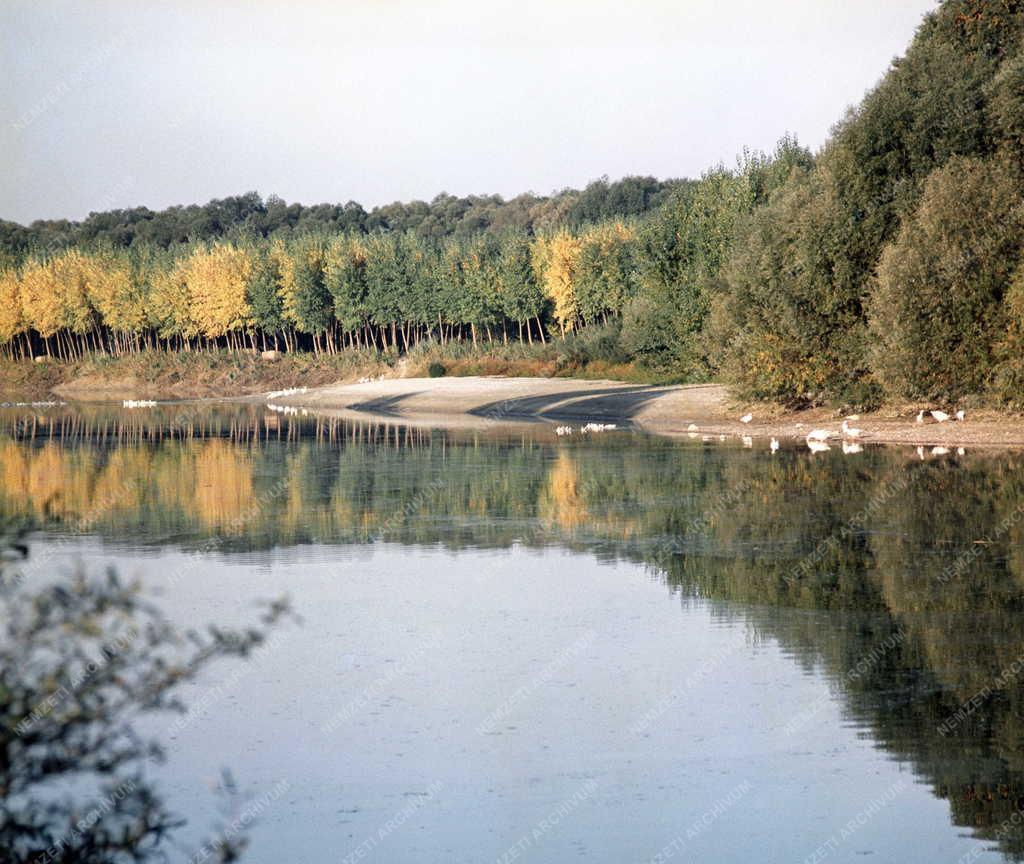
(520, 647)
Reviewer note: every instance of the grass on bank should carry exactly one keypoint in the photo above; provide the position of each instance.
(199, 374)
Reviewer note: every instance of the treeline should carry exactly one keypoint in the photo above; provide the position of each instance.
(888, 266)
(249, 215)
(387, 289)
(892, 267)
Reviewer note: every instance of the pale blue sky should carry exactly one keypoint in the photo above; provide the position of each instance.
(118, 103)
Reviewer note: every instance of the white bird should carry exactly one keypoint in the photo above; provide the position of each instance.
(920, 417)
(817, 446)
(940, 451)
(721, 437)
(941, 416)
(746, 418)
(851, 447)
(774, 446)
(850, 432)
(693, 427)
(819, 435)
(920, 452)
(748, 441)
(960, 451)
(961, 415)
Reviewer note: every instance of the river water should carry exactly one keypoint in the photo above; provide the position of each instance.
(516, 646)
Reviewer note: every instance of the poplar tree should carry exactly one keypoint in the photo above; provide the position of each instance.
(263, 294)
(522, 300)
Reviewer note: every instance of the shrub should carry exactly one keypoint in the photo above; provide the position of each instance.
(648, 334)
(1006, 103)
(74, 772)
(938, 306)
(437, 369)
(1008, 377)
(786, 324)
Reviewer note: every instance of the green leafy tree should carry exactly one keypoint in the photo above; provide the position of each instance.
(306, 300)
(522, 300)
(385, 282)
(481, 307)
(938, 309)
(345, 273)
(606, 271)
(263, 292)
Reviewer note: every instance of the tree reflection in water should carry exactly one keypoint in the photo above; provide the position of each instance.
(923, 557)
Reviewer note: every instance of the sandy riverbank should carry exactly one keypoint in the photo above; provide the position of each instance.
(468, 402)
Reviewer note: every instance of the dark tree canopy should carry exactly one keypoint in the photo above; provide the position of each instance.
(248, 214)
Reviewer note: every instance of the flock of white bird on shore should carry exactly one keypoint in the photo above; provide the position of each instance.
(138, 403)
(292, 391)
(817, 440)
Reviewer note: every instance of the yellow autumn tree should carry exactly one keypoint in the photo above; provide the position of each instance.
(41, 299)
(217, 279)
(556, 260)
(116, 292)
(603, 275)
(288, 265)
(288, 290)
(170, 303)
(12, 322)
(54, 301)
(71, 275)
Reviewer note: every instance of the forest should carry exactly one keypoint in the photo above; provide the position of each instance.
(887, 266)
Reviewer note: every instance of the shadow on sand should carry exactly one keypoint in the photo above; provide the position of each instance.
(609, 404)
(389, 406)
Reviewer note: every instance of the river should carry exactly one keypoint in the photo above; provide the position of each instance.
(518, 646)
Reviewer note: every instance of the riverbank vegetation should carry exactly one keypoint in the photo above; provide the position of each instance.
(592, 353)
(886, 266)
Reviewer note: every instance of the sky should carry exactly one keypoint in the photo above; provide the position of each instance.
(120, 103)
